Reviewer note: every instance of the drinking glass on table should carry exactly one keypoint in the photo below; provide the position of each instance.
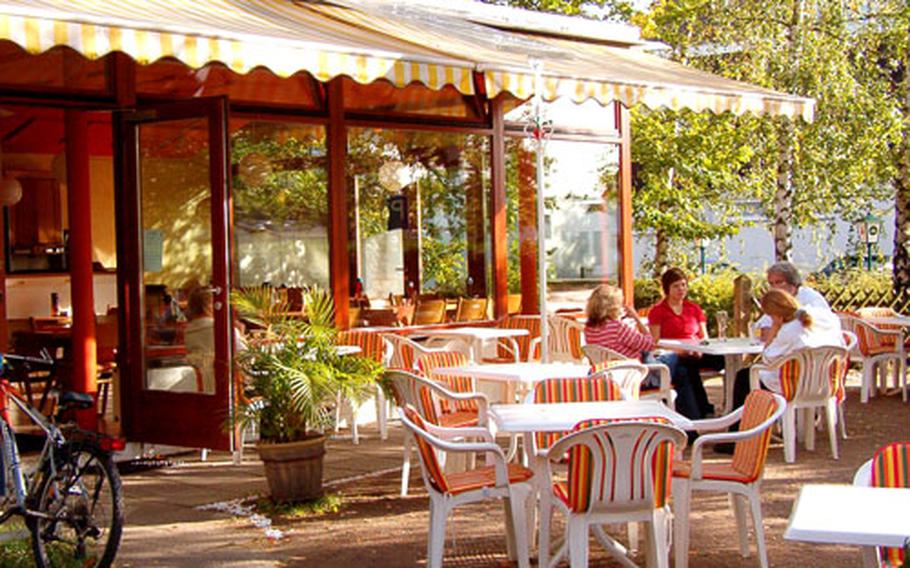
(722, 320)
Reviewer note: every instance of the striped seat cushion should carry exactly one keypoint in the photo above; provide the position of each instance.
(431, 464)
(370, 342)
(711, 470)
(576, 491)
(428, 363)
(891, 468)
(470, 480)
(586, 389)
(530, 323)
(789, 374)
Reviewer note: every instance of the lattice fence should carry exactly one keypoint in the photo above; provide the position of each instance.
(851, 299)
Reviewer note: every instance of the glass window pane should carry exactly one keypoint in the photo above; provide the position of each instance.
(382, 96)
(280, 192)
(421, 212)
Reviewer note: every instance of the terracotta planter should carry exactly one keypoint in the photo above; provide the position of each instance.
(294, 470)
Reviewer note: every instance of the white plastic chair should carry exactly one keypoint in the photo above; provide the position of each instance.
(740, 477)
(613, 478)
(808, 379)
(495, 480)
(850, 342)
(371, 345)
(564, 339)
(877, 348)
(600, 356)
(425, 395)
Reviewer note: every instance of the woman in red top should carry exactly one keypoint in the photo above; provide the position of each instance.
(674, 317)
(605, 309)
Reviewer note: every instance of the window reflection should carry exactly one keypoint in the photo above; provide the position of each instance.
(420, 212)
(280, 193)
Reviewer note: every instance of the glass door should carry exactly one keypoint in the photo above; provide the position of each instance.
(173, 219)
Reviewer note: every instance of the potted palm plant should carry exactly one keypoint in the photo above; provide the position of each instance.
(294, 373)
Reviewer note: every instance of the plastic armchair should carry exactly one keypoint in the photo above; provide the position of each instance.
(565, 338)
(739, 477)
(805, 387)
(522, 348)
(405, 351)
(425, 395)
(613, 478)
(495, 480)
(878, 347)
(471, 309)
(887, 468)
(371, 345)
(840, 390)
(602, 357)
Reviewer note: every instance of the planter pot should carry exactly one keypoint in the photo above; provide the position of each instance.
(294, 470)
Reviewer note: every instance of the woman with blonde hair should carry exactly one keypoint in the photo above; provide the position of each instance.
(605, 310)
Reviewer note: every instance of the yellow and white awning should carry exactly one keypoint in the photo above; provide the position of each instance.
(241, 34)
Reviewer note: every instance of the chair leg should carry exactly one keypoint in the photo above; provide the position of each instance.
(681, 500)
(841, 420)
(437, 540)
(808, 417)
(789, 424)
(831, 414)
(632, 530)
(516, 533)
(742, 525)
(543, 539)
(868, 378)
(755, 502)
(382, 417)
(406, 465)
(659, 541)
(578, 541)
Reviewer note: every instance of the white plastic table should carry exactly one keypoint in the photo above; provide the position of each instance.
(563, 416)
(517, 378)
(851, 514)
(733, 350)
(477, 336)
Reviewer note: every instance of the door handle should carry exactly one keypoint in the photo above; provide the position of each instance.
(215, 290)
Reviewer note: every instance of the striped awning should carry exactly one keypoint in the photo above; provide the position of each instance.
(241, 34)
(571, 68)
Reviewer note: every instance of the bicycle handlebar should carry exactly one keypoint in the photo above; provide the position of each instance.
(45, 359)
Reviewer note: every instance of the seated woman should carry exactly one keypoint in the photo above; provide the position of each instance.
(604, 310)
(674, 317)
(792, 328)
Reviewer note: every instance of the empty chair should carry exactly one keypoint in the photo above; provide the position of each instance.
(565, 339)
(521, 348)
(405, 352)
(371, 345)
(877, 348)
(840, 382)
(887, 468)
(602, 357)
(740, 477)
(428, 363)
(429, 312)
(618, 473)
(427, 396)
(471, 309)
(497, 479)
(513, 306)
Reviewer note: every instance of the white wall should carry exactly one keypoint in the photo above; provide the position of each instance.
(30, 296)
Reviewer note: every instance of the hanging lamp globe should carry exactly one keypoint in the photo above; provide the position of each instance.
(10, 191)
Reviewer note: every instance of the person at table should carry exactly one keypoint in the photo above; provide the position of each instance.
(675, 317)
(785, 276)
(605, 310)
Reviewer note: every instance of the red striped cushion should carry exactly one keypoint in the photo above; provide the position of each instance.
(789, 378)
(586, 389)
(432, 361)
(370, 343)
(749, 455)
(530, 323)
(891, 468)
(427, 453)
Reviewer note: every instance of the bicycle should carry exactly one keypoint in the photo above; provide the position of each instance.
(71, 501)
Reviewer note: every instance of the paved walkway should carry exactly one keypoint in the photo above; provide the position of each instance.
(165, 527)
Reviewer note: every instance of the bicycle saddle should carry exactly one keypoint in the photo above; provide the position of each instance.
(78, 400)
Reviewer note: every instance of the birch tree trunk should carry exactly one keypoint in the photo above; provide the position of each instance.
(661, 252)
(901, 183)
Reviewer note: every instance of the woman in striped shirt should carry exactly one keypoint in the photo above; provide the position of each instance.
(605, 327)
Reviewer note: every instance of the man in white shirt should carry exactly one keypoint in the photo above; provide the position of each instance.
(784, 276)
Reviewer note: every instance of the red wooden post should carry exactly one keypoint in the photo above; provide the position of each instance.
(626, 266)
(499, 246)
(84, 378)
(527, 231)
(337, 146)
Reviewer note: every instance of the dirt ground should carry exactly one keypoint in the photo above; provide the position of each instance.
(378, 528)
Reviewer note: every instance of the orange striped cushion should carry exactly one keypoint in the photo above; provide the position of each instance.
(789, 378)
(532, 324)
(462, 481)
(891, 468)
(575, 343)
(872, 343)
(576, 493)
(711, 470)
(370, 343)
(838, 375)
(432, 361)
(427, 453)
(749, 455)
(585, 389)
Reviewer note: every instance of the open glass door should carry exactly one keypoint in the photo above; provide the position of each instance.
(174, 282)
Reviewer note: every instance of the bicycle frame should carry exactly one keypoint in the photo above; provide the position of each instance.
(11, 462)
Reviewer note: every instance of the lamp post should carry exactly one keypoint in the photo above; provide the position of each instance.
(870, 230)
(702, 245)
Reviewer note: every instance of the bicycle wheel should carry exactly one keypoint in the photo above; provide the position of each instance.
(15, 536)
(84, 504)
